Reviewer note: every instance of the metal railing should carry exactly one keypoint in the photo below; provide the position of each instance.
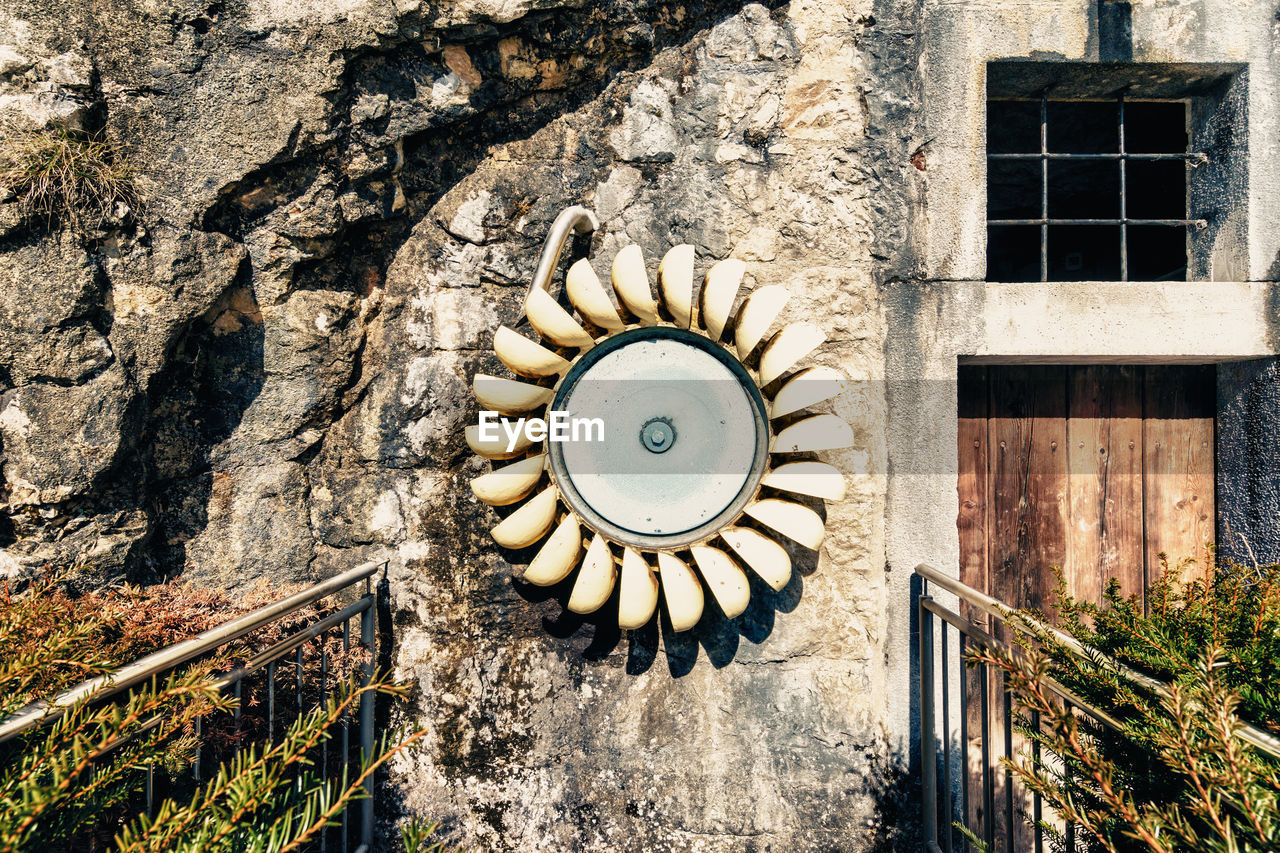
(264, 665)
(987, 799)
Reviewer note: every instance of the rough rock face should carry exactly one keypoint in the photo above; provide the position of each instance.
(263, 370)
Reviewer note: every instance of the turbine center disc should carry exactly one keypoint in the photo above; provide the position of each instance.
(703, 438)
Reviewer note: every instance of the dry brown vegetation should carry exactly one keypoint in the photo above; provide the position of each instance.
(273, 774)
(61, 173)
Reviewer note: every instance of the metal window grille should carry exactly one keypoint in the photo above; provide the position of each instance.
(1122, 157)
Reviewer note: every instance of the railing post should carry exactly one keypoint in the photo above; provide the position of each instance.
(948, 783)
(988, 785)
(928, 745)
(369, 640)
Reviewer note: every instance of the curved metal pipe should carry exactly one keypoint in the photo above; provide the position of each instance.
(576, 219)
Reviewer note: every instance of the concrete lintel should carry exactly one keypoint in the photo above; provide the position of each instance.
(1122, 322)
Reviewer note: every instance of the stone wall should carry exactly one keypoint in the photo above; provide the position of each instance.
(261, 370)
(549, 731)
(1248, 489)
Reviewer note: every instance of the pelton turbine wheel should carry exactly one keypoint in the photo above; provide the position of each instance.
(695, 464)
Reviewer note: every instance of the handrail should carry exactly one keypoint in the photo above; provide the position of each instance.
(291, 642)
(260, 660)
(576, 218)
(955, 620)
(1029, 625)
(169, 657)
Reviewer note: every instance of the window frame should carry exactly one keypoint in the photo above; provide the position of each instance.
(1189, 157)
(1218, 200)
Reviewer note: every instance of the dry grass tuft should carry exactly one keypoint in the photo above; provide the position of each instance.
(59, 172)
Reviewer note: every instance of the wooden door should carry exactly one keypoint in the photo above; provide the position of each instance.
(1096, 469)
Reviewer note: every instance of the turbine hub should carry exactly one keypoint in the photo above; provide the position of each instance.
(658, 435)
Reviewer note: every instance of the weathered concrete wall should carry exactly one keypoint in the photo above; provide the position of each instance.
(961, 36)
(1248, 438)
(946, 313)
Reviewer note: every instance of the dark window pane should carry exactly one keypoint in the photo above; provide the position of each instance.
(1156, 189)
(1013, 253)
(1013, 189)
(1152, 127)
(1157, 253)
(1084, 189)
(1084, 252)
(1084, 127)
(1013, 127)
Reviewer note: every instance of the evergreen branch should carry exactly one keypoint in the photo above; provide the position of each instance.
(352, 790)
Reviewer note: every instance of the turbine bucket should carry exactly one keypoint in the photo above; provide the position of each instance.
(719, 290)
(675, 282)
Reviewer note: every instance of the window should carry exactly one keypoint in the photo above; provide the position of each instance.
(1092, 170)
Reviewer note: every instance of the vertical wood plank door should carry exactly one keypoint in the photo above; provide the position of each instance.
(972, 521)
(1104, 443)
(1177, 451)
(1093, 469)
(1026, 481)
